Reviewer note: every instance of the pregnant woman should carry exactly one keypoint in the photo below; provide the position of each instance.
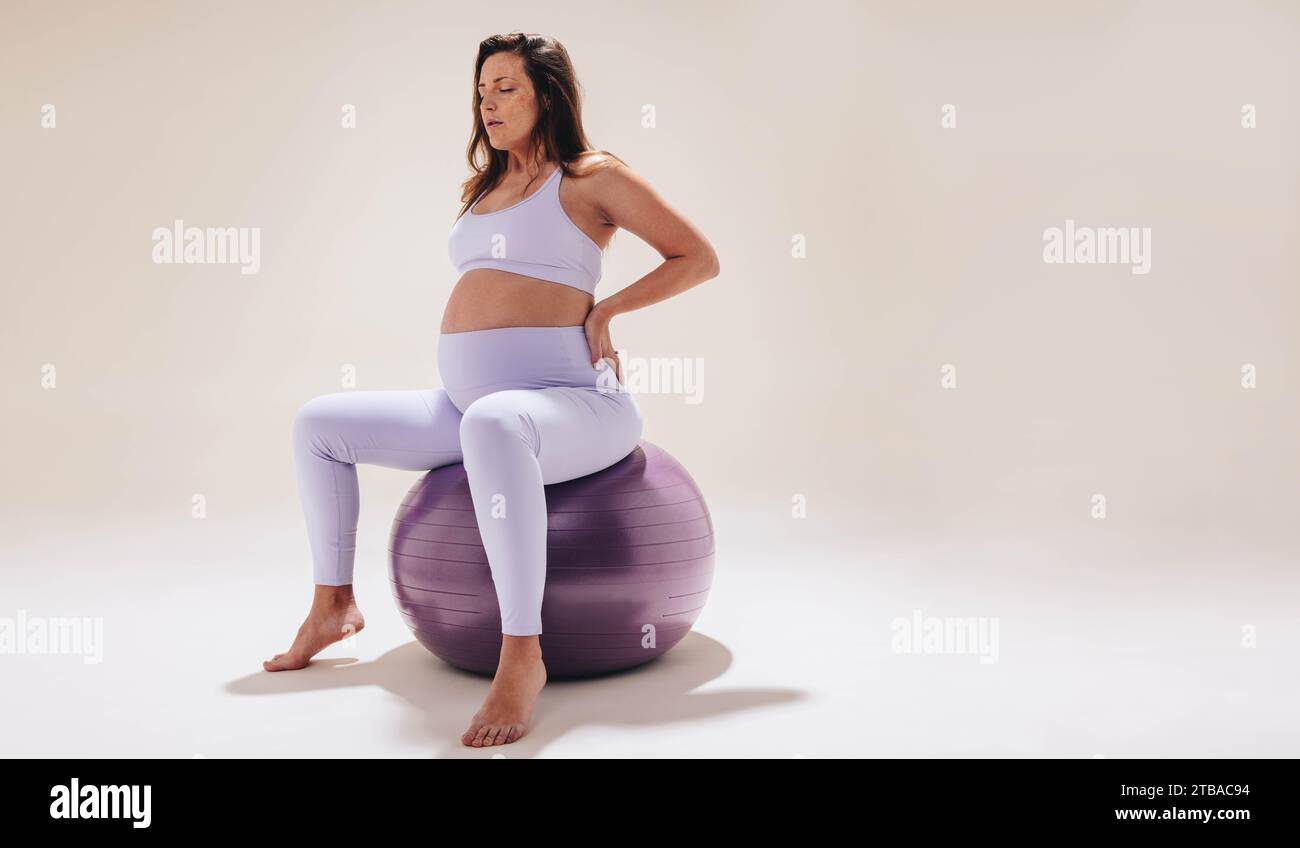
(533, 392)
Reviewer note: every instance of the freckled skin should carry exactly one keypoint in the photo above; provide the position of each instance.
(484, 298)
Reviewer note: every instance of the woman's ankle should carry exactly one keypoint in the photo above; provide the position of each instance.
(332, 597)
(520, 646)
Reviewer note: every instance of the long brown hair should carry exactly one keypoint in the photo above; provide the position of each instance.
(557, 136)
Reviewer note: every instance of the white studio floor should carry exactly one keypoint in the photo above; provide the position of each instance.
(1103, 649)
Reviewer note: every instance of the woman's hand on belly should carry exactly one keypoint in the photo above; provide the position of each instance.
(486, 298)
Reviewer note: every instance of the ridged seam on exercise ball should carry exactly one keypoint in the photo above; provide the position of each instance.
(627, 546)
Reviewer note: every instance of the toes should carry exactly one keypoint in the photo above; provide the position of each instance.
(475, 730)
(282, 662)
(482, 735)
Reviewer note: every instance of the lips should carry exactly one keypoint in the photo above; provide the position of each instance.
(491, 124)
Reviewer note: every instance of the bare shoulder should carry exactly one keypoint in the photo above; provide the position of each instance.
(591, 163)
(617, 197)
(608, 183)
(602, 171)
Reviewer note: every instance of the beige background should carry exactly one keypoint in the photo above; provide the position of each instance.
(822, 374)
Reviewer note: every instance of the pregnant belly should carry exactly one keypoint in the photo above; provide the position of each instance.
(486, 298)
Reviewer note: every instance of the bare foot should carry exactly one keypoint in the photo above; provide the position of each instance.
(333, 616)
(508, 708)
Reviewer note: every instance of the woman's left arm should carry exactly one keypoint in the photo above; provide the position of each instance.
(629, 202)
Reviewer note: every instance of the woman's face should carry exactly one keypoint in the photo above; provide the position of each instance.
(508, 109)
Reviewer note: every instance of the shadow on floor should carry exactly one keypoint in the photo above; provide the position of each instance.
(444, 697)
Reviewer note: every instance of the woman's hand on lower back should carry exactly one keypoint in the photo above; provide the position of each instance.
(602, 347)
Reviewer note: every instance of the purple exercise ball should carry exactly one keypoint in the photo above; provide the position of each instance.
(629, 563)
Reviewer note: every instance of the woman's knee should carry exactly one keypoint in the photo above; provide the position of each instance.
(492, 419)
(314, 416)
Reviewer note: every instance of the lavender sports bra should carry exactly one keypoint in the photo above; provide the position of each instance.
(534, 237)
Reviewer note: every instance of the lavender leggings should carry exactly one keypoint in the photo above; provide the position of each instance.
(521, 407)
